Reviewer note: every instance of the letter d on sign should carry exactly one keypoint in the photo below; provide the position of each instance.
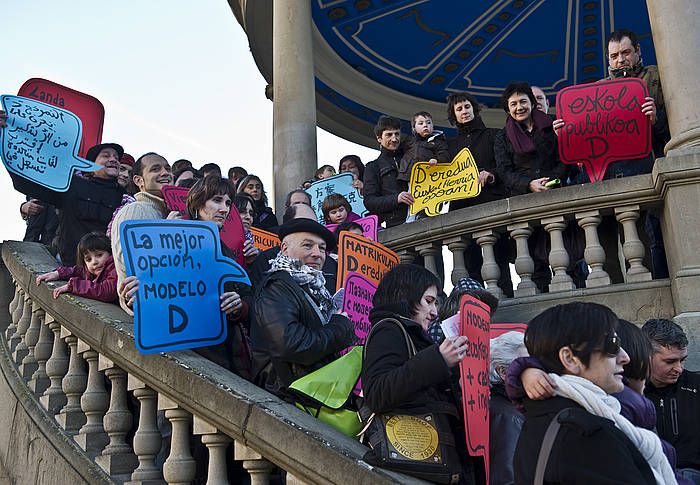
(175, 312)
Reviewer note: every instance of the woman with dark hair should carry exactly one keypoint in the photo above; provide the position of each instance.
(463, 111)
(354, 165)
(264, 216)
(578, 345)
(246, 209)
(393, 380)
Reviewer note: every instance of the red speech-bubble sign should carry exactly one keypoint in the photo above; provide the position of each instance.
(604, 123)
(175, 197)
(498, 329)
(88, 108)
(475, 322)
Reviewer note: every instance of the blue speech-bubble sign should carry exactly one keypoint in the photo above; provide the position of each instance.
(181, 274)
(338, 184)
(41, 141)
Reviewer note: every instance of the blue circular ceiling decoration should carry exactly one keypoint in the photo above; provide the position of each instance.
(430, 48)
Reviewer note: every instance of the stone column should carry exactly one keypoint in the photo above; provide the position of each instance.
(31, 338)
(147, 440)
(633, 248)
(257, 467)
(594, 252)
(56, 367)
(524, 264)
(406, 256)
(490, 271)
(42, 351)
(16, 315)
(558, 257)
(217, 443)
(71, 418)
(94, 403)
(180, 467)
(457, 245)
(17, 344)
(294, 103)
(429, 251)
(674, 26)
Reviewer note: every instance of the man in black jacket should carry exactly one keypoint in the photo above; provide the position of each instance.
(384, 195)
(296, 328)
(675, 393)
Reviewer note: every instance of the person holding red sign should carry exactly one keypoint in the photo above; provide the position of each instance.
(395, 381)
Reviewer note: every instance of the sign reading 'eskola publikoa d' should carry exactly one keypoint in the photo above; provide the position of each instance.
(433, 184)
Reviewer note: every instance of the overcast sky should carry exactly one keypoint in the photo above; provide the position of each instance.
(176, 77)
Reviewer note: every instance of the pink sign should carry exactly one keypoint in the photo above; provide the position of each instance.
(175, 197)
(604, 123)
(357, 302)
(232, 234)
(474, 324)
(370, 225)
(501, 328)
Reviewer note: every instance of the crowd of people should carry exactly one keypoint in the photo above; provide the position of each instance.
(607, 389)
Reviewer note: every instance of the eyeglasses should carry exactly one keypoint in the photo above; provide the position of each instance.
(612, 345)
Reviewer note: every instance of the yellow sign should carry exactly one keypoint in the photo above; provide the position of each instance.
(431, 185)
(413, 437)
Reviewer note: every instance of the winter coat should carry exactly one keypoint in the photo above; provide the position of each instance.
(265, 218)
(587, 450)
(382, 188)
(504, 430)
(678, 416)
(288, 338)
(81, 283)
(86, 206)
(479, 139)
(518, 170)
(419, 149)
(258, 269)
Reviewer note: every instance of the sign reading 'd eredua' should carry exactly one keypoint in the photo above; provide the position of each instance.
(181, 274)
(40, 143)
(603, 123)
(357, 254)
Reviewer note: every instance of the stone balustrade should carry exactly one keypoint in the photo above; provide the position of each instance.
(108, 414)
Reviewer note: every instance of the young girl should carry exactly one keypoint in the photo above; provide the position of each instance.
(336, 209)
(94, 275)
(324, 172)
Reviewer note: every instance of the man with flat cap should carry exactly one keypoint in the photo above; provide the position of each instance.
(87, 205)
(296, 327)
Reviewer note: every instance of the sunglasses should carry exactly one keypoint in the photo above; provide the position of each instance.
(612, 345)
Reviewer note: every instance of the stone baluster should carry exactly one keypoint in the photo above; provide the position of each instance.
(524, 265)
(16, 315)
(94, 403)
(633, 248)
(71, 418)
(16, 340)
(558, 257)
(42, 351)
(457, 245)
(257, 467)
(292, 480)
(180, 467)
(594, 252)
(15, 300)
(406, 256)
(429, 251)
(117, 458)
(217, 444)
(490, 272)
(56, 367)
(147, 440)
(29, 364)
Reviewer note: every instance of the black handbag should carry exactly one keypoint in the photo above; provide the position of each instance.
(420, 444)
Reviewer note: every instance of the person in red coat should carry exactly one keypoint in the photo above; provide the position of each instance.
(94, 275)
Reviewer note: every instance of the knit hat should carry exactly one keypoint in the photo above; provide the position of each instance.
(466, 284)
(127, 159)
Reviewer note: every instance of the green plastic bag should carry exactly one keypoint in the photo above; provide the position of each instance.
(330, 387)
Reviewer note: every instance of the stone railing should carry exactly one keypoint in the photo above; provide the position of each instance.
(670, 193)
(71, 365)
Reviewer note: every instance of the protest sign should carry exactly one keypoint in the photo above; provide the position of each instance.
(370, 226)
(603, 124)
(367, 258)
(87, 108)
(40, 143)
(431, 185)
(501, 328)
(338, 184)
(181, 274)
(264, 240)
(474, 369)
(175, 197)
(357, 302)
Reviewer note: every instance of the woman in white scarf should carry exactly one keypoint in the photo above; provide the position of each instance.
(578, 344)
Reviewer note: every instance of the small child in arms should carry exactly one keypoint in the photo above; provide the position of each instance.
(94, 276)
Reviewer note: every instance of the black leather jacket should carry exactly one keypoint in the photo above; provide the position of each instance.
(382, 188)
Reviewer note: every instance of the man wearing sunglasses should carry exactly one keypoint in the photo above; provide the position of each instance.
(579, 436)
(675, 392)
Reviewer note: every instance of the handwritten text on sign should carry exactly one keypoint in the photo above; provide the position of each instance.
(88, 108)
(264, 240)
(474, 368)
(604, 123)
(431, 185)
(370, 225)
(40, 143)
(338, 184)
(357, 302)
(175, 197)
(181, 274)
(360, 255)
